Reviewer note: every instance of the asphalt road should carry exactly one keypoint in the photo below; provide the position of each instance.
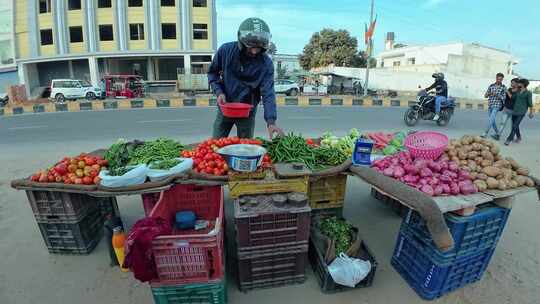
(196, 123)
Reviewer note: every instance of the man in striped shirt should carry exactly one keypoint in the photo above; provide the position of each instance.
(496, 93)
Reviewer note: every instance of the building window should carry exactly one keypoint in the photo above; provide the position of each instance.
(167, 2)
(106, 32)
(397, 63)
(44, 6)
(135, 3)
(75, 34)
(74, 5)
(200, 31)
(168, 31)
(199, 3)
(136, 31)
(46, 37)
(412, 61)
(104, 3)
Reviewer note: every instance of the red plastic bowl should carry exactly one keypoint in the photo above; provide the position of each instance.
(426, 145)
(235, 109)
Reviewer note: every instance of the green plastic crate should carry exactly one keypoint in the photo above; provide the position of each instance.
(210, 293)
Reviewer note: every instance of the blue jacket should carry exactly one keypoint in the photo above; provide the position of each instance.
(244, 79)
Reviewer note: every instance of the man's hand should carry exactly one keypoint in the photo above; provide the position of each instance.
(273, 129)
(221, 98)
(531, 115)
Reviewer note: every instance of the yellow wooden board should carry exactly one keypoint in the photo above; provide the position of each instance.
(267, 186)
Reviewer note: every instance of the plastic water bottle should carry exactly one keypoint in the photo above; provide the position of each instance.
(118, 241)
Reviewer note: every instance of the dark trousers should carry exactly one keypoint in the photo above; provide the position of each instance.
(245, 127)
(516, 121)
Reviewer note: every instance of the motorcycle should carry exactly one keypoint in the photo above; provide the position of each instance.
(424, 109)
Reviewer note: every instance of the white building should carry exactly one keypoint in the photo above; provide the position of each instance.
(289, 62)
(456, 58)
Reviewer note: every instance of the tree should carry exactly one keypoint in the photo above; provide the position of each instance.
(536, 90)
(331, 47)
(272, 49)
(400, 45)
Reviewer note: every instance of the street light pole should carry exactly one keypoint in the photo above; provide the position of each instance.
(370, 49)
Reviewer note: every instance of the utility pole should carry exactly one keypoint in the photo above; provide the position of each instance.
(370, 48)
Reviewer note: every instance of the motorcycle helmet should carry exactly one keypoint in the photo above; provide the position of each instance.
(438, 76)
(254, 33)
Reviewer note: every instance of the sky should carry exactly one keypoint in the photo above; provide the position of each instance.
(493, 23)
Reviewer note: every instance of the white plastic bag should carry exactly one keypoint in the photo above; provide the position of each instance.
(156, 174)
(135, 176)
(348, 271)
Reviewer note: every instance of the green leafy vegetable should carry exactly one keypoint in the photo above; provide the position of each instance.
(339, 231)
(153, 151)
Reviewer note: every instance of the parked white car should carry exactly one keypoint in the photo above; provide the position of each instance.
(70, 89)
(287, 87)
(315, 90)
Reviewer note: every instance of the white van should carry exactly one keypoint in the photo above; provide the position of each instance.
(62, 89)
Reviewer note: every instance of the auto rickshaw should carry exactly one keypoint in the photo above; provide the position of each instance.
(124, 86)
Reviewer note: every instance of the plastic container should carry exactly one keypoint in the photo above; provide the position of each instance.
(235, 109)
(320, 269)
(267, 226)
(157, 175)
(362, 152)
(135, 176)
(189, 256)
(185, 220)
(272, 268)
(243, 158)
(432, 277)
(73, 237)
(471, 234)
(426, 144)
(210, 293)
(118, 242)
(327, 192)
(65, 206)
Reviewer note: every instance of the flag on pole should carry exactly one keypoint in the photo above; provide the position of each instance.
(371, 30)
(366, 36)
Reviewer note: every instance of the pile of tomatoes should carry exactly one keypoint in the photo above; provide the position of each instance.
(207, 160)
(80, 170)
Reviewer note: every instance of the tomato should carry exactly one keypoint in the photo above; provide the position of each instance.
(58, 179)
(61, 169)
(87, 180)
(211, 164)
(35, 178)
(208, 157)
(90, 161)
(225, 167)
(51, 179)
(81, 164)
(67, 181)
(209, 170)
(97, 180)
(73, 161)
(201, 166)
(216, 171)
(78, 181)
(93, 173)
(79, 173)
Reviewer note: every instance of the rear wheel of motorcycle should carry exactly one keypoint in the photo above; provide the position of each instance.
(411, 117)
(444, 118)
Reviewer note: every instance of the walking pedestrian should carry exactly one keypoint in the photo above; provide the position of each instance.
(509, 103)
(496, 94)
(522, 102)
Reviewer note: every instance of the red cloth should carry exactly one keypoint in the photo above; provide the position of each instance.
(139, 255)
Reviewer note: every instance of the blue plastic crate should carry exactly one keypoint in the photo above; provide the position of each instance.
(471, 234)
(432, 277)
(208, 293)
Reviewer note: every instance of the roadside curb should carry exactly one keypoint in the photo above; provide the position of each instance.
(302, 101)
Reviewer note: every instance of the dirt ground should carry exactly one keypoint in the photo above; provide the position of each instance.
(29, 274)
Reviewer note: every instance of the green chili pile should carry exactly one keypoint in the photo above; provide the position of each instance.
(165, 164)
(154, 151)
(294, 148)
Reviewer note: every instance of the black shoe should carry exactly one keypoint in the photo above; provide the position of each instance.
(506, 143)
(496, 137)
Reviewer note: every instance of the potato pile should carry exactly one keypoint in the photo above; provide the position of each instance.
(488, 169)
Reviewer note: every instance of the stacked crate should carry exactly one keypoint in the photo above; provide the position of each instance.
(70, 223)
(190, 263)
(432, 273)
(327, 194)
(271, 243)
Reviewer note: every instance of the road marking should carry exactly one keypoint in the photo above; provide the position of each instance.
(27, 127)
(163, 121)
(309, 118)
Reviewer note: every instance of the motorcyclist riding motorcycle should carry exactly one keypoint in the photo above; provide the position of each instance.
(441, 92)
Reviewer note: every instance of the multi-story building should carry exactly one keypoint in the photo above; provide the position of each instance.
(86, 39)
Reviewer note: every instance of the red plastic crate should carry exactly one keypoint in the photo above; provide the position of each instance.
(190, 256)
